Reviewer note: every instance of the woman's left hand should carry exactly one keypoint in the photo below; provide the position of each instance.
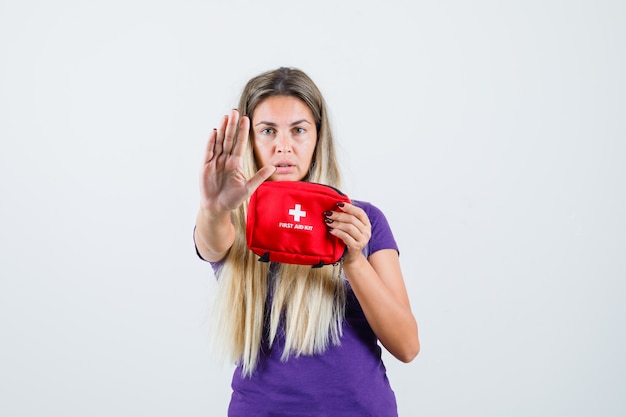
(352, 226)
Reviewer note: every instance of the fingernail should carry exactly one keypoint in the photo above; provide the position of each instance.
(328, 213)
(340, 204)
(328, 221)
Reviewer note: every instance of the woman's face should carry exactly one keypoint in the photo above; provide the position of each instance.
(284, 136)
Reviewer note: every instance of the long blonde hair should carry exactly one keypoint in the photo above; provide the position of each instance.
(253, 303)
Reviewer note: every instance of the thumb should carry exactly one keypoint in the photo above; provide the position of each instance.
(258, 178)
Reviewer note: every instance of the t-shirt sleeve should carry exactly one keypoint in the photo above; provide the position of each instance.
(382, 236)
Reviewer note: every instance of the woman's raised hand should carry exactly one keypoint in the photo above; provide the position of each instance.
(223, 185)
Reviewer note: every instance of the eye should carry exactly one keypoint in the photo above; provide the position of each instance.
(299, 130)
(268, 131)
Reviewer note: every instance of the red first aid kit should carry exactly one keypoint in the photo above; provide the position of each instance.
(285, 223)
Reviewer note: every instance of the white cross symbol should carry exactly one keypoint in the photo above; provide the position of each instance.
(297, 213)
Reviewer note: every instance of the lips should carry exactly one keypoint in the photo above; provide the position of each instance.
(285, 167)
(284, 164)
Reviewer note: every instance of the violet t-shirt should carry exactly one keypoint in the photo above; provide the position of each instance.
(345, 380)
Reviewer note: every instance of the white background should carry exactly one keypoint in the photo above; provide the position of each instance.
(491, 133)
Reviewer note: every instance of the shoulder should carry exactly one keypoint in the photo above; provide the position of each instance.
(372, 211)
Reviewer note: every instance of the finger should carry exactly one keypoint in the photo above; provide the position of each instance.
(242, 136)
(351, 226)
(346, 238)
(210, 147)
(219, 138)
(355, 211)
(231, 130)
(351, 214)
(356, 232)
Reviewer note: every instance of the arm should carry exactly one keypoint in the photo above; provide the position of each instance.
(214, 235)
(223, 186)
(380, 289)
(378, 284)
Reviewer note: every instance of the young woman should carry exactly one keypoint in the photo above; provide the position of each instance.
(305, 343)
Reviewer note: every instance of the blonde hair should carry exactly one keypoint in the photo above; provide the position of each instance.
(308, 302)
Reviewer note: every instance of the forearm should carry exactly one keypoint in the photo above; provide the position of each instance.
(214, 235)
(389, 317)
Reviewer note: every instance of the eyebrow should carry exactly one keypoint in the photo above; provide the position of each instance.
(297, 122)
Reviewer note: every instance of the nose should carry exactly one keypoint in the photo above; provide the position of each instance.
(283, 143)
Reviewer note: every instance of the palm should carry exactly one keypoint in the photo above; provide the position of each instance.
(223, 185)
